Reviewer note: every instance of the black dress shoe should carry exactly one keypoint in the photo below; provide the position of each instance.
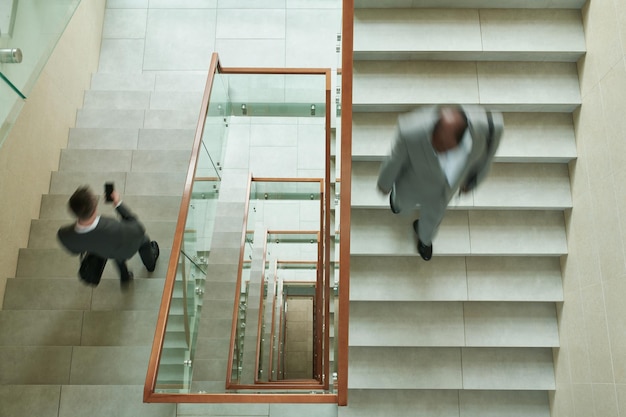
(425, 251)
(392, 198)
(155, 249)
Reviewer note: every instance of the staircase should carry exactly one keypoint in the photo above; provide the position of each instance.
(67, 348)
(471, 332)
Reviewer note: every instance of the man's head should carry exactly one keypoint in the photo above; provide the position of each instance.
(450, 128)
(83, 203)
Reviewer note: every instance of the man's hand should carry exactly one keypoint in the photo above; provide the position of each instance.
(116, 198)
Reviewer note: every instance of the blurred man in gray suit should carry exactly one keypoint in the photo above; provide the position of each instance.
(437, 151)
(107, 237)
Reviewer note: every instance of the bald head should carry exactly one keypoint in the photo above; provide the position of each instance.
(449, 130)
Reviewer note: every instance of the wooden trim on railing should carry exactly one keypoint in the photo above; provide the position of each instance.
(233, 330)
(347, 70)
(166, 299)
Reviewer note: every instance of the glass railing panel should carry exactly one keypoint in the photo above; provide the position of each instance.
(33, 27)
(211, 157)
(175, 369)
(282, 95)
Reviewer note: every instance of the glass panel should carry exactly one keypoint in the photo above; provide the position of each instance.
(277, 95)
(34, 27)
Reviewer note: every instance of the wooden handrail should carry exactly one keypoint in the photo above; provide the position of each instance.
(168, 290)
(157, 346)
(347, 47)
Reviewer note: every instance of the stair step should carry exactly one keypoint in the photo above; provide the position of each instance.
(428, 403)
(451, 368)
(461, 34)
(147, 208)
(470, 4)
(137, 183)
(174, 81)
(127, 100)
(119, 328)
(487, 232)
(31, 293)
(527, 137)
(448, 324)
(104, 160)
(36, 365)
(508, 186)
(109, 365)
(138, 118)
(130, 138)
(40, 328)
(57, 262)
(504, 86)
(409, 278)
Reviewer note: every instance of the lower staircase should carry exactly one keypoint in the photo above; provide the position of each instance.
(71, 350)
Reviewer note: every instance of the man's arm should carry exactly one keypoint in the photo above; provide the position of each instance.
(121, 209)
(393, 164)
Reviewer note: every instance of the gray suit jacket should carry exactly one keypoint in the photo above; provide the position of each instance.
(413, 165)
(112, 238)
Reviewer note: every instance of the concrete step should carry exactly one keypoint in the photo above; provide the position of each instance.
(135, 183)
(57, 262)
(173, 81)
(130, 138)
(90, 400)
(508, 186)
(473, 35)
(504, 86)
(137, 118)
(147, 208)
(471, 4)
(106, 160)
(527, 137)
(131, 100)
(47, 293)
(428, 403)
(409, 278)
(475, 232)
(449, 324)
(450, 368)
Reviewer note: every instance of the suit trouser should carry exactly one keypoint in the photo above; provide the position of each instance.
(148, 257)
(430, 213)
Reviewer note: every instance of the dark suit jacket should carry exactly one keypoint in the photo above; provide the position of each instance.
(112, 238)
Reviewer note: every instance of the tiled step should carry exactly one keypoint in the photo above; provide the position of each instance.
(76, 400)
(147, 208)
(174, 81)
(43, 232)
(136, 183)
(471, 4)
(462, 34)
(132, 100)
(129, 118)
(505, 86)
(428, 403)
(527, 137)
(486, 232)
(448, 324)
(31, 293)
(451, 368)
(508, 186)
(57, 262)
(130, 138)
(124, 160)
(409, 278)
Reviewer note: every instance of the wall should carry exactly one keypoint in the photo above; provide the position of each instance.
(31, 151)
(591, 363)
